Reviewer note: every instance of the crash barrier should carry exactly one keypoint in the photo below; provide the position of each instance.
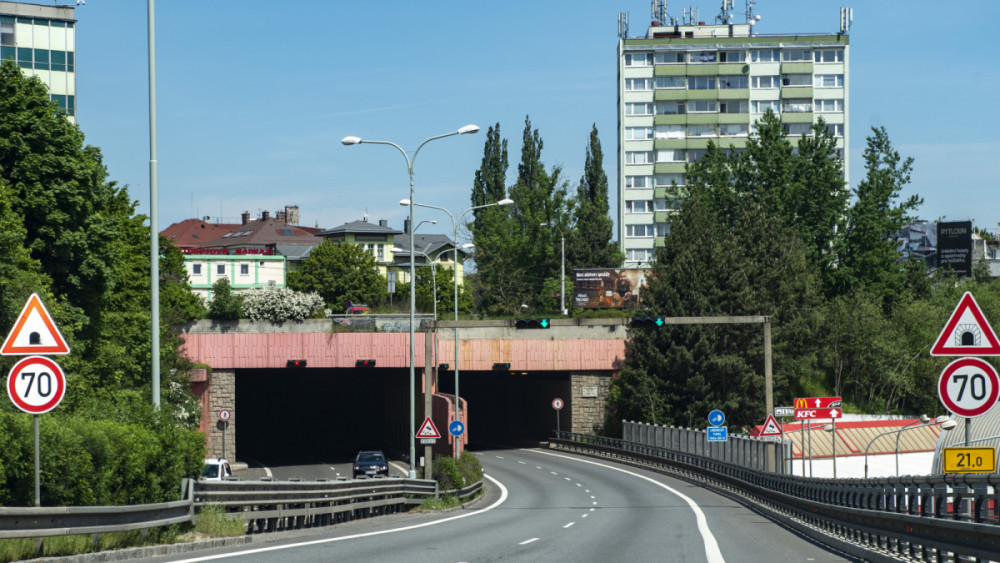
(736, 449)
(918, 518)
(264, 505)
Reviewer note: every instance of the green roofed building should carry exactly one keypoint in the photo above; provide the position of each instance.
(688, 82)
(41, 39)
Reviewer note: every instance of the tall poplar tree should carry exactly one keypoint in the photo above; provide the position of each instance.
(589, 244)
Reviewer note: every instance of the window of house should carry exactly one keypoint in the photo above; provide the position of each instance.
(701, 131)
(764, 82)
(835, 105)
(796, 129)
(638, 206)
(837, 129)
(220, 269)
(244, 269)
(639, 231)
(639, 108)
(764, 55)
(667, 180)
(796, 55)
(670, 155)
(732, 56)
(7, 33)
(669, 108)
(662, 229)
(733, 129)
(761, 106)
(731, 81)
(669, 131)
(694, 155)
(195, 269)
(696, 57)
(828, 56)
(638, 157)
(796, 105)
(638, 84)
(670, 57)
(639, 254)
(734, 106)
(380, 251)
(702, 106)
(638, 133)
(638, 59)
(670, 82)
(638, 182)
(796, 80)
(701, 83)
(829, 81)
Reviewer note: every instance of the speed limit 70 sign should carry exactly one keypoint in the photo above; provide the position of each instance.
(969, 387)
(36, 385)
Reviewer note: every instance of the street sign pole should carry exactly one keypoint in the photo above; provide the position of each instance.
(834, 421)
(38, 477)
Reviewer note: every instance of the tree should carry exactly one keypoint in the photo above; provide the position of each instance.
(226, 305)
(178, 304)
(589, 244)
(280, 304)
(340, 272)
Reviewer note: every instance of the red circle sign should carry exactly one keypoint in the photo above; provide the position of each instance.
(36, 385)
(969, 387)
(557, 404)
(224, 415)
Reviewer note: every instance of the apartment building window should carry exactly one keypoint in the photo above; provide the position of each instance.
(733, 129)
(638, 59)
(244, 269)
(638, 157)
(829, 81)
(701, 131)
(701, 83)
(7, 33)
(667, 180)
(764, 56)
(663, 82)
(731, 81)
(694, 155)
(836, 129)
(796, 105)
(702, 106)
(734, 106)
(638, 84)
(796, 80)
(670, 155)
(796, 55)
(640, 231)
(220, 269)
(638, 133)
(669, 108)
(830, 106)
(380, 249)
(669, 132)
(638, 182)
(732, 56)
(639, 254)
(695, 57)
(662, 229)
(639, 108)
(761, 106)
(765, 82)
(828, 56)
(670, 57)
(195, 269)
(797, 129)
(638, 206)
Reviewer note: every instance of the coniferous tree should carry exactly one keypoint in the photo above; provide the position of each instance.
(590, 244)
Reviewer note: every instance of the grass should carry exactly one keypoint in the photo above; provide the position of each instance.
(213, 521)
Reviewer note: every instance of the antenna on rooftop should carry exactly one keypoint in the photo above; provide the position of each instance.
(725, 15)
(751, 18)
(659, 13)
(846, 17)
(623, 25)
(690, 16)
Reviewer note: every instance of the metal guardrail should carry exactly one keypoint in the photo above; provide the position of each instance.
(955, 517)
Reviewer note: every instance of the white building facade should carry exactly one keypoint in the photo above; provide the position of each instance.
(42, 41)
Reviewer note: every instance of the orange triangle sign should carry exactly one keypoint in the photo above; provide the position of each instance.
(428, 430)
(967, 333)
(771, 427)
(34, 332)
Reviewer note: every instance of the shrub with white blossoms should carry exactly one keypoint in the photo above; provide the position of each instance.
(279, 304)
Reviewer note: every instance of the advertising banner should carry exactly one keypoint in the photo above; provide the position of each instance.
(955, 246)
(608, 288)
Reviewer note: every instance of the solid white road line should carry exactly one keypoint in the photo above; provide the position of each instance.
(526, 542)
(569, 525)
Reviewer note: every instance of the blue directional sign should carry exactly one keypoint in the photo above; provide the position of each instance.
(456, 428)
(716, 418)
(718, 433)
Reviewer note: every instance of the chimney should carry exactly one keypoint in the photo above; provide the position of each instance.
(383, 222)
(265, 215)
(280, 215)
(246, 217)
(406, 226)
(292, 214)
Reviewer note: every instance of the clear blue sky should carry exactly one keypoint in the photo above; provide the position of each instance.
(255, 96)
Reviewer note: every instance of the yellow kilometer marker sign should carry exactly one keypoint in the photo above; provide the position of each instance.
(970, 460)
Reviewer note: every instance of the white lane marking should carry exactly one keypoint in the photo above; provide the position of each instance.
(592, 496)
(526, 542)
(712, 551)
(569, 525)
(586, 490)
(403, 469)
(593, 509)
(584, 515)
(579, 485)
(499, 457)
(267, 471)
(538, 467)
(522, 463)
(594, 503)
(553, 472)
(501, 500)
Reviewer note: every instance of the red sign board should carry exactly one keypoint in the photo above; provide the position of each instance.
(810, 414)
(969, 387)
(818, 403)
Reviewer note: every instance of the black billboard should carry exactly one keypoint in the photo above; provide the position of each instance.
(954, 244)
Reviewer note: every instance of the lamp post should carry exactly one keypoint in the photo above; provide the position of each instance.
(351, 140)
(832, 427)
(562, 268)
(944, 421)
(454, 223)
(432, 262)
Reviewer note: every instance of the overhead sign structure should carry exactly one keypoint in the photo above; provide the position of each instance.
(969, 460)
(34, 332)
(717, 433)
(969, 387)
(428, 430)
(716, 417)
(967, 332)
(36, 385)
(771, 427)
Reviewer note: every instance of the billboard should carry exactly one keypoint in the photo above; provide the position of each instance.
(608, 288)
(955, 246)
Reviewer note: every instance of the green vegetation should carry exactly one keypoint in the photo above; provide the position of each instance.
(215, 522)
(61, 546)
(456, 474)
(340, 272)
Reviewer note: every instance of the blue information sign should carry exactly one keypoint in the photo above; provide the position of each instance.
(718, 433)
(716, 418)
(456, 428)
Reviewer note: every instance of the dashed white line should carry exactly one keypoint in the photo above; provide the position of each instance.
(579, 485)
(526, 542)
(567, 478)
(553, 472)
(569, 525)
(522, 463)
(584, 515)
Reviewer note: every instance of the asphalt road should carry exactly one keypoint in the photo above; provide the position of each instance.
(549, 506)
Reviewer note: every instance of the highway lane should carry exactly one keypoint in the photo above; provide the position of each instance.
(551, 506)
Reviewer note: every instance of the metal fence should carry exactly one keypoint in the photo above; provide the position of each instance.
(737, 449)
(950, 518)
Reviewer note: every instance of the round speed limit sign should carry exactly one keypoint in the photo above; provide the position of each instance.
(36, 385)
(969, 387)
(557, 404)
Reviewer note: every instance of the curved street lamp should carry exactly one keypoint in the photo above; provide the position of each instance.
(352, 140)
(945, 422)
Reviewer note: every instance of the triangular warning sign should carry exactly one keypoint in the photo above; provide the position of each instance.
(967, 333)
(771, 427)
(34, 332)
(428, 430)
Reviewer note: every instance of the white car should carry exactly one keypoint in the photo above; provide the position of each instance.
(216, 469)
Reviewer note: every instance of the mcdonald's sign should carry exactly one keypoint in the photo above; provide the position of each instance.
(818, 403)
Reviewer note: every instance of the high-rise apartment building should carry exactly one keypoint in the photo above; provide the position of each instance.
(686, 84)
(42, 41)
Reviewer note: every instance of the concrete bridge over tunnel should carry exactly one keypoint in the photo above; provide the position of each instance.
(319, 390)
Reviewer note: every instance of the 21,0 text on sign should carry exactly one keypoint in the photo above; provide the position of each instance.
(36, 385)
(969, 387)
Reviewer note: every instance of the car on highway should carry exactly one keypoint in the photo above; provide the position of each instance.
(216, 469)
(370, 463)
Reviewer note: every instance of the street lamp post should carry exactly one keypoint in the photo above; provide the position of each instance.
(924, 421)
(454, 223)
(562, 267)
(351, 140)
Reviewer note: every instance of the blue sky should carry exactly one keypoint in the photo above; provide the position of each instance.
(254, 97)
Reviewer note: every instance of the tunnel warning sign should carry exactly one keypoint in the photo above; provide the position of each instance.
(967, 333)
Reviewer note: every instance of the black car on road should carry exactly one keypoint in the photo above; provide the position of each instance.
(370, 463)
